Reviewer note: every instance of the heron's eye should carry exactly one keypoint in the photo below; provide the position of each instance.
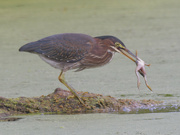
(117, 44)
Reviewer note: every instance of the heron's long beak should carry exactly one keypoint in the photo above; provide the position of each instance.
(128, 54)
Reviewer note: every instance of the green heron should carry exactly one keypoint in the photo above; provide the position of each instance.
(77, 51)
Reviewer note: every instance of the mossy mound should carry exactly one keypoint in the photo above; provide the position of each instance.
(63, 102)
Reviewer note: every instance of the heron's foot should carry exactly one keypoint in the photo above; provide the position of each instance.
(71, 96)
(73, 91)
(84, 93)
(101, 103)
(82, 102)
(76, 96)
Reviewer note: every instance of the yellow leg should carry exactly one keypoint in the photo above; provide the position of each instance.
(62, 80)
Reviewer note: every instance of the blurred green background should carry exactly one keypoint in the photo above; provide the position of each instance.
(149, 26)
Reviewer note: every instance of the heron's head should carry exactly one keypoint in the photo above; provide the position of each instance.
(117, 45)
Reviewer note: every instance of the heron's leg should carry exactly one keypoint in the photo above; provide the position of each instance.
(62, 80)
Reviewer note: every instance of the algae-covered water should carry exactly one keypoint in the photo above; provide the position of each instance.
(151, 27)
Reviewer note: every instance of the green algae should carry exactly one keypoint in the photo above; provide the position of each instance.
(63, 102)
(166, 95)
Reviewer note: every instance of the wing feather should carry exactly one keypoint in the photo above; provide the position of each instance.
(62, 47)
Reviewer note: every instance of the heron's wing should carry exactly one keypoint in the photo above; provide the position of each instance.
(62, 47)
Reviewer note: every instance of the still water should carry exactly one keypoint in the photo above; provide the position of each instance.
(151, 27)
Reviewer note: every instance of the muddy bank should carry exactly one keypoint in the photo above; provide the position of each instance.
(63, 102)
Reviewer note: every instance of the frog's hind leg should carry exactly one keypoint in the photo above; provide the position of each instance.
(145, 79)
